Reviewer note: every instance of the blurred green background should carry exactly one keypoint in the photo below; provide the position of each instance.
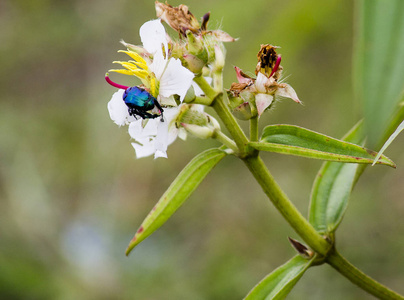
(73, 194)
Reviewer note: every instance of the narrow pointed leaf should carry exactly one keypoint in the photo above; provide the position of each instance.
(389, 141)
(332, 189)
(379, 63)
(294, 140)
(278, 284)
(179, 191)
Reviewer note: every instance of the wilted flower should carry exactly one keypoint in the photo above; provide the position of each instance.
(200, 47)
(181, 20)
(265, 87)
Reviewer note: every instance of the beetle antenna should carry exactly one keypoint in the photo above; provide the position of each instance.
(117, 85)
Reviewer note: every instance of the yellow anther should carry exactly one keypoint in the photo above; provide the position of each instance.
(134, 55)
(140, 73)
(120, 71)
(140, 65)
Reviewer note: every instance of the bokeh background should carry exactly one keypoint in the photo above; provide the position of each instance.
(73, 194)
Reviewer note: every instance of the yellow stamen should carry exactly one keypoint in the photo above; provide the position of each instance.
(134, 55)
(139, 65)
(140, 73)
(125, 72)
(127, 65)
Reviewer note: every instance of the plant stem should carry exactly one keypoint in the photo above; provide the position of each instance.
(225, 115)
(285, 206)
(261, 173)
(205, 87)
(200, 100)
(225, 140)
(254, 129)
(357, 277)
(280, 200)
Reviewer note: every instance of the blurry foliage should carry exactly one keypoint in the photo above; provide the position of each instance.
(72, 192)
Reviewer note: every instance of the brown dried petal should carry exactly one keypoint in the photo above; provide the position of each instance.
(236, 88)
(179, 18)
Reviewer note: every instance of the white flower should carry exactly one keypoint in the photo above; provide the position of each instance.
(155, 136)
(163, 77)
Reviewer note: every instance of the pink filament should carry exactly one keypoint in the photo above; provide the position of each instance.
(278, 62)
(119, 86)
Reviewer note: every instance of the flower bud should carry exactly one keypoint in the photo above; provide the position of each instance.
(193, 63)
(198, 131)
(195, 44)
(218, 63)
(190, 95)
(243, 105)
(243, 112)
(195, 121)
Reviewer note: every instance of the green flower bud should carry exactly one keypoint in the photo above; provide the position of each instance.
(193, 63)
(196, 47)
(242, 104)
(218, 63)
(195, 121)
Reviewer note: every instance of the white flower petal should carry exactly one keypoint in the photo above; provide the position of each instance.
(118, 111)
(152, 35)
(139, 132)
(288, 92)
(143, 150)
(159, 64)
(182, 134)
(167, 101)
(161, 142)
(175, 80)
(260, 83)
(263, 101)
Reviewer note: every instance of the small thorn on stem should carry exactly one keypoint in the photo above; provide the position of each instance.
(278, 62)
(117, 85)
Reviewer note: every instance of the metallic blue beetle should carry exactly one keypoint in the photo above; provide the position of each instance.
(138, 100)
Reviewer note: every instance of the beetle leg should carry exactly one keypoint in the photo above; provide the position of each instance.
(156, 103)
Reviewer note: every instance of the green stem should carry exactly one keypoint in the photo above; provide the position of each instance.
(357, 277)
(254, 129)
(225, 115)
(218, 80)
(225, 140)
(205, 87)
(285, 206)
(199, 100)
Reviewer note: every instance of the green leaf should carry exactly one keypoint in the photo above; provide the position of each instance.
(332, 188)
(278, 284)
(179, 191)
(294, 140)
(390, 140)
(379, 62)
